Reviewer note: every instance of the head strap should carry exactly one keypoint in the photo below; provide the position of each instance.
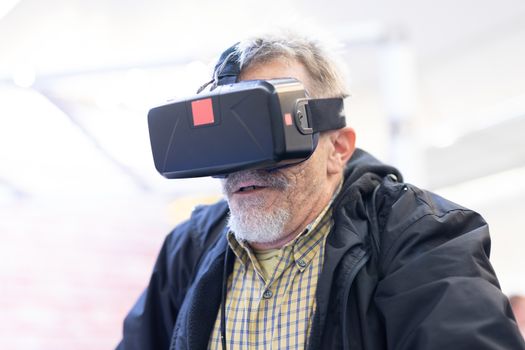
(226, 70)
(323, 113)
(326, 114)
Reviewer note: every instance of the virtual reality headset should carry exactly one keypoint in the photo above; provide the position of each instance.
(257, 124)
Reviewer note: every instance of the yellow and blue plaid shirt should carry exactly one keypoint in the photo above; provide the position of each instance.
(274, 312)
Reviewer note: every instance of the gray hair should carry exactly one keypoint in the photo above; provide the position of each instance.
(326, 77)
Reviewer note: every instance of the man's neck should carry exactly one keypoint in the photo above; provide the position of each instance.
(297, 228)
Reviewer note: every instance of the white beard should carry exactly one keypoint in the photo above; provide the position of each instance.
(257, 226)
(247, 220)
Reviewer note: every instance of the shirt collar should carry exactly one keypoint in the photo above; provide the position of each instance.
(303, 246)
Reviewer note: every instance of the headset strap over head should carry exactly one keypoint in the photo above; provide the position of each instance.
(324, 114)
(226, 70)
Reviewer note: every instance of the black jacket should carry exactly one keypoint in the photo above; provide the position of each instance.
(403, 269)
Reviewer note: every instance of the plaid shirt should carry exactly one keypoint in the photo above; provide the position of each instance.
(274, 313)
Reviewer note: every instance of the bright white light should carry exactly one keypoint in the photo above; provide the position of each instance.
(44, 154)
(6, 195)
(133, 94)
(399, 80)
(135, 75)
(487, 189)
(363, 32)
(198, 70)
(6, 6)
(24, 75)
(442, 136)
(105, 101)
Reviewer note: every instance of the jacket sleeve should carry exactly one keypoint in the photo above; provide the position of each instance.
(437, 288)
(150, 322)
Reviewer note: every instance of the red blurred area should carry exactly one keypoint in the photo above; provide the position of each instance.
(71, 271)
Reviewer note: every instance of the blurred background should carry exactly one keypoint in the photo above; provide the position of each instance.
(438, 89)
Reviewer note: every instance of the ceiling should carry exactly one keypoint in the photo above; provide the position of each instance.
(94, 68)
(59, 37)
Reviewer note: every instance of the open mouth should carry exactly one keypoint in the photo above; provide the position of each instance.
(249, 188)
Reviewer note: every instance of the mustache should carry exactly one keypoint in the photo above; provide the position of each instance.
(259, 177)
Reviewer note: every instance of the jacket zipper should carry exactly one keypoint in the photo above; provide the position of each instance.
(359, 265)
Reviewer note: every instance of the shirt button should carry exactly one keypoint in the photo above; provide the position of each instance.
(267, 294)
(301, 263)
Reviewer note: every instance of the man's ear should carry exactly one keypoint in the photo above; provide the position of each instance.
(342, 147)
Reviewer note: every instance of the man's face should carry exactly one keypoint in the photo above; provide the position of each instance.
(267, 206)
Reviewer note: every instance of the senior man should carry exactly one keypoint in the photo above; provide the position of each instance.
(334, 252)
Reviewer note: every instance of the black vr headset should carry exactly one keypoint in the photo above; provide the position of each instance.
(239, 125)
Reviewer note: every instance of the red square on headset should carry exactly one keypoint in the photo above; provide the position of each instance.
(202, 111)
(288, 119)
